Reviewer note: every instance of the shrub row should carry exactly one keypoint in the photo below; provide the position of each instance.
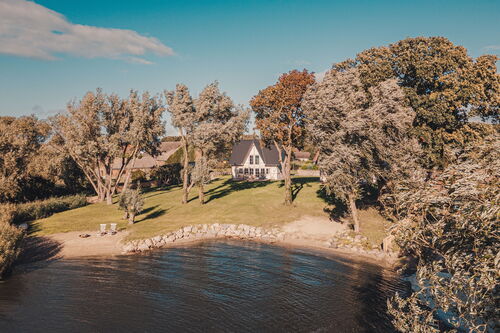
(10, 245)
(40, 209)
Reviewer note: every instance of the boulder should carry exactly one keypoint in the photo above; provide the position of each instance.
(142, 246)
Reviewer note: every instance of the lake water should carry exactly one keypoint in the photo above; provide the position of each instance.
(215, 286)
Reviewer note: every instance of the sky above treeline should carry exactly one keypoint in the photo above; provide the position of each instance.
(53, 51)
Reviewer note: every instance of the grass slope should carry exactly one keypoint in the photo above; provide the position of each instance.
(252, 203)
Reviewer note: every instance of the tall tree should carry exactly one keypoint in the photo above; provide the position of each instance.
(218, 124)
(442, 83)
(280, 118)
(449, 223)
(360, 134)
(102, 130)
(183, 117)
(20, 141)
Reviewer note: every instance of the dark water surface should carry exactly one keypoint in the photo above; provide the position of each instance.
(213, 286)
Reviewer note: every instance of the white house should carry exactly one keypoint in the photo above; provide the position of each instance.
(251, 160)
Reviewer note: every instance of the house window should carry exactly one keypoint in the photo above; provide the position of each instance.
(256, 159)
(267, 170)
(257, 171)
(262, 171)
(251, 171)
(246, 171)
(251, 159)
(240, 170)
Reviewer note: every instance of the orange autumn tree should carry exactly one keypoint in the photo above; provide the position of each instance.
(280, 118)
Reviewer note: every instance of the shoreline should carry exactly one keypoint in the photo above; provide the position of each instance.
(315, 238)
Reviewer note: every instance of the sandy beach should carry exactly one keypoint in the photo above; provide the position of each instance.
(307, 233)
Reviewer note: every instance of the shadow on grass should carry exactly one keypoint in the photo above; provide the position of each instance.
(337, 209)
(298, 184)
(229, 186)
(151, 213)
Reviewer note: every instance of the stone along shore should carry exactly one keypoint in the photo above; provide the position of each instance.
(340, 241)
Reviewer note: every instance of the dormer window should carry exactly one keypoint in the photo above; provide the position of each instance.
(251, 159)
(256, 159)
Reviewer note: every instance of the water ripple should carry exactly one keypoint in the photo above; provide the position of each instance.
(218, 286)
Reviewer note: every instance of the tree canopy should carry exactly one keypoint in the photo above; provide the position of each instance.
(444, 86)
(450, 224)
(20, 141)
(280, 118)
(360, 134)
(103, 130)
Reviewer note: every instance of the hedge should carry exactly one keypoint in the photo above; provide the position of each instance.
(44, 208)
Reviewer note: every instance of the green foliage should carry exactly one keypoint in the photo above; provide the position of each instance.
(168, 174)
(132, 202)
(43, 208)
(442, 84)
(10, 238)
(450, 224)
(309, 165)
(178, 156)
(10, 243)
(139, 176)
(20, 140)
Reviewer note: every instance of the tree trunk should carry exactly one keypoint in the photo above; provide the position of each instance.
(288, 188)
(125, 215)
(128, 173)
(131, 218)
(185, 175)
(101, 194)
(126, 181)
(354, 212)
(201, 194)
(288, 178)
(109, 197)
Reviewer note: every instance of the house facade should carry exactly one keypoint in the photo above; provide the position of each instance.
(251, 160)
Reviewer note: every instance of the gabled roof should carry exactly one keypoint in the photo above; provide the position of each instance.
(144, 161)
(169, 145)
(269, 155)
(302, 154)
(167, 149)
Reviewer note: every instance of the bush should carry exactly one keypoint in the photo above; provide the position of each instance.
(309, 166)
(10, 238)
(139, 176)
(168, 174)
(40, 209)
(131, 201)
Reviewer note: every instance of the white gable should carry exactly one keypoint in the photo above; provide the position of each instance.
(253, 152)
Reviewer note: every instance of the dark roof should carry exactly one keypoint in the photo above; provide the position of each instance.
(144, 161)
(302, 154)
(168, 146)
(167, 149)
(269, 155)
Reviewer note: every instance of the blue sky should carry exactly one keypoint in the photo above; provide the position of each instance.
(244, 45)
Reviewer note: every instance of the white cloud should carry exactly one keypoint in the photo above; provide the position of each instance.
(31, 30)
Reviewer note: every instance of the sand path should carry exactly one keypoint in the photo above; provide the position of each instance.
(305, 231)
(73, 246)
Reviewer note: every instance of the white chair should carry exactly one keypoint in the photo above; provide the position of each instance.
(112, 230)
(103, 229)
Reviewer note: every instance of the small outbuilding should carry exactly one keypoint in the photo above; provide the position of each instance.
(252, 160)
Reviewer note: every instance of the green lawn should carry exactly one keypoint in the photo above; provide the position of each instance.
(252, 203)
